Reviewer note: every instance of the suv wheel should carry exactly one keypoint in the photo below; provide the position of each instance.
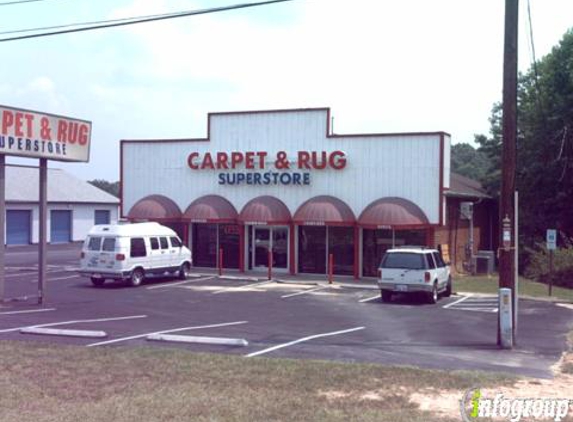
(448, 291)
(98, 282)
(386, 296)
(136, 278)
(184, 271)
(433, 295)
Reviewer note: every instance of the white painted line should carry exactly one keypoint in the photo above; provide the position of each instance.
(59, 278)
(222, 341)
(29, 311)
(457, 301)
(488, 309)
(291, 343)
(246, 286)
(368, 299)
(161, 286)
(304, 292)
(117, 340)
(54, 324)
(21, 274)
(60, 332)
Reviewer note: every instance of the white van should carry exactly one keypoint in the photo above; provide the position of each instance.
(133, 252)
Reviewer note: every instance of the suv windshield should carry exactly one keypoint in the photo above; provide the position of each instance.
(410, 261)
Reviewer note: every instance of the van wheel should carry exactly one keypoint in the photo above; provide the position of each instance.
(433, 295)
(184, 271)
(98, 282)
(386, 296)
(136, 278)
(448, 291)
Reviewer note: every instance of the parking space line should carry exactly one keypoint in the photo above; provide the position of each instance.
(291, 343)
(117, 340)
(304, 292)
(160, 286)
(246, 286)
(457, 301)
(54, 324)
(368, 299)
(28, 311)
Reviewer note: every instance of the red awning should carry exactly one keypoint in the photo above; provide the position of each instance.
(324, 210)
(211, 209)
(155, 207)
(391, 213)
(265, 210)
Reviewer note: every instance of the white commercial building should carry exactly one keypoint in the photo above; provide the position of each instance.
(74, 206)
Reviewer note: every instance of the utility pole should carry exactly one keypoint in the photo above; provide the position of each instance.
(508, 158)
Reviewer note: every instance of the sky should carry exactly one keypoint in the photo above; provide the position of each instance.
(382, 66)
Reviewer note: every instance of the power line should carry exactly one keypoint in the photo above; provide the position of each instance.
(136, 20)
(534, 60)
(11, 3)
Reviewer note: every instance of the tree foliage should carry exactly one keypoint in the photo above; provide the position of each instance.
(109, 187)
(544, 175)
(469, 162)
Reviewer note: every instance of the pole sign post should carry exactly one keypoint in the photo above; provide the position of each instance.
(551, 239)
(45, 136)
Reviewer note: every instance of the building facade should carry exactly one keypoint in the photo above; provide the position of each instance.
(277, 187)
(74, 206)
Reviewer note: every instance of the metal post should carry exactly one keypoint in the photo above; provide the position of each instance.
(516, 259)
(550, 272)
(330, 268)
(270, 264)
(220, 261)
(2, 222)
(42, 250)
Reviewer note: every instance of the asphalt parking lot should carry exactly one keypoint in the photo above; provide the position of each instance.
(275, 319)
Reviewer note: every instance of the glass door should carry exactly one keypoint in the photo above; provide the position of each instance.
(274, 239)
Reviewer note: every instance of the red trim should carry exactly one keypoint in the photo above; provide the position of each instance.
(441, 192)
(356, 252)
(292, 262)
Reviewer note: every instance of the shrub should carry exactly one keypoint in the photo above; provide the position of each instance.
(538, 267)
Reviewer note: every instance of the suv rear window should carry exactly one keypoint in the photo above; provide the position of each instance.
(410, 261)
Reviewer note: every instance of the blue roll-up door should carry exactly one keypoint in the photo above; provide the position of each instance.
(60, 226)
(102, 217)
(18, 227)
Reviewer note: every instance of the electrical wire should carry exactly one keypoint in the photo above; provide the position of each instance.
(12, 3)
(534, 61)
(136, 20)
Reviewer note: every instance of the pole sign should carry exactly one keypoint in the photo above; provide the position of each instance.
(33, 134)
(551, 239)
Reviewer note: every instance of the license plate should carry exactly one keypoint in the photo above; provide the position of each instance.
(401, 287)
(96, 276)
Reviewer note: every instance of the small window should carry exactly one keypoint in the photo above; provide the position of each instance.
(439, 261)
(137, 247)
(94, 243)
(109, 244)
(431, 263)
(154, 243)
(175, 242)
(101, 217)
(163, 242)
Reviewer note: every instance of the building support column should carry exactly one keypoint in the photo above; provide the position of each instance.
(356, 252)
(242, 248)
(292, 244)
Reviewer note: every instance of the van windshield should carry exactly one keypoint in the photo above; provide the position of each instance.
(410, 261)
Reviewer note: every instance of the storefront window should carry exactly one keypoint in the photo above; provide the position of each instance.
(312, 249)
(229, 241)
(205, 245)
(374, 244)
(410, 238)
(341, 246)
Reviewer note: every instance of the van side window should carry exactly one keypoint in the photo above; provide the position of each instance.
(137, 247)
(108, 244)
(154, 243)
(175, 242)
(94, 244)
(163, 242)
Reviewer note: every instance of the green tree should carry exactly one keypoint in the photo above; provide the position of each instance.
(469, 162)
(109, 187)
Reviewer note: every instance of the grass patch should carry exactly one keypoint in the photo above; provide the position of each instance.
(48, 383)
(490, 284)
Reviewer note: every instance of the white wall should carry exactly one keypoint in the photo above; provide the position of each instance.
(406, 166)
(82, 217)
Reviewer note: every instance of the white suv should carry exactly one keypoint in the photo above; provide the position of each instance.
(414, 270)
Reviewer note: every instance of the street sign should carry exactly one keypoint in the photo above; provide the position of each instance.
(551, 239)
